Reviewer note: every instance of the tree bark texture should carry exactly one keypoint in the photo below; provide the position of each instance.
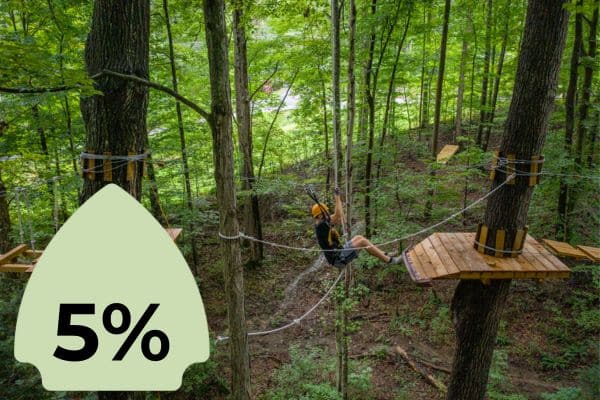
(477, 307)
(115, 122)
(221, 128)
(250, 209)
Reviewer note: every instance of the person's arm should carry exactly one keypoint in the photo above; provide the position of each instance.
(338, 214)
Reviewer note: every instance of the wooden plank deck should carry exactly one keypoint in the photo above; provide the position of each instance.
(563, 249)
(592, 252)
(446, 153)
(452, 256)
(9, 255)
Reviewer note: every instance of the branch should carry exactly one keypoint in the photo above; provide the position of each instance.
(131, 78)
(169, 91)
(31, 90)
(264, 83)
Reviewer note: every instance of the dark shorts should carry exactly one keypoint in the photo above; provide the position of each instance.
(347, 254)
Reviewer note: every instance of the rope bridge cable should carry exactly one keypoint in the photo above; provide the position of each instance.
(295, 321)
(426, 229)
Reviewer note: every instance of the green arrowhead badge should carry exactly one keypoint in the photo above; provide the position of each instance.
(111, 304)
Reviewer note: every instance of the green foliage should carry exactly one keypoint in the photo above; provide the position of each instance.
(204, 379)
(564, 394)
(307, 377)
(499, 386)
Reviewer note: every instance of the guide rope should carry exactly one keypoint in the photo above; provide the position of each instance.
(295, 321)
(408, 236)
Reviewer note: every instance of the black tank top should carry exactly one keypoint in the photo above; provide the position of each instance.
(328, 239)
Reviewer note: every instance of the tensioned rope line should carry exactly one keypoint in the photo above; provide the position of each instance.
(426, 229)
(295, 321)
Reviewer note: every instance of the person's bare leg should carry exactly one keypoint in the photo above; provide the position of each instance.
(362, 242)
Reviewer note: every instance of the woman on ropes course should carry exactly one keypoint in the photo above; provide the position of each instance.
(328, 237)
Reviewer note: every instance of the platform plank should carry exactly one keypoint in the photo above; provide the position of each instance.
(9, 255)
(591, 252)
(438, 265)
(446, 153)
(443, 254)
(16, 268)
(452, 256)
(563, 249)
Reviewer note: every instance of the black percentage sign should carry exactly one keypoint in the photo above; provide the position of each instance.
(135, 332)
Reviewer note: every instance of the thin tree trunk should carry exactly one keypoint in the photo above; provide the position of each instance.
(390, 95)
(220, 123)
(440, 80)
(251, 210)
(461, 77)
(386, 34)
(473, 64)
(5, 225)
(486, 73)
(182, 141)
(586, 89)
(477, 307)
(281, 104)
(496, 89)
(423, 121)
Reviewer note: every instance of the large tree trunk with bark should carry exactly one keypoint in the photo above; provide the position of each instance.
(115, 121)
(477, 307)
(220, 123)
(250, 209)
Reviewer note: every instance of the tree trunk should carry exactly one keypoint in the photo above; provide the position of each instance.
(182, 142)
(562, 227)
(340, 326)
(155, 205)
(477, 307)
(386, 34)
(5, 242)
(220, 123)
(586, 89)
(461, 78)
(250, 210)
(440, 80)
(423, 120)
(486, 73)
(496, 89)
(390, 95)
(115, 122)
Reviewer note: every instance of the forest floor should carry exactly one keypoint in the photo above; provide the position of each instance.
(545, 340)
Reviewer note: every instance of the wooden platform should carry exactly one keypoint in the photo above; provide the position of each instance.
(8, 260)
(593, 253)
(446, 153)
(563, 249)
(452, 256)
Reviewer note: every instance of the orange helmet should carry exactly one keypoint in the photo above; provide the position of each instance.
(317, 209)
